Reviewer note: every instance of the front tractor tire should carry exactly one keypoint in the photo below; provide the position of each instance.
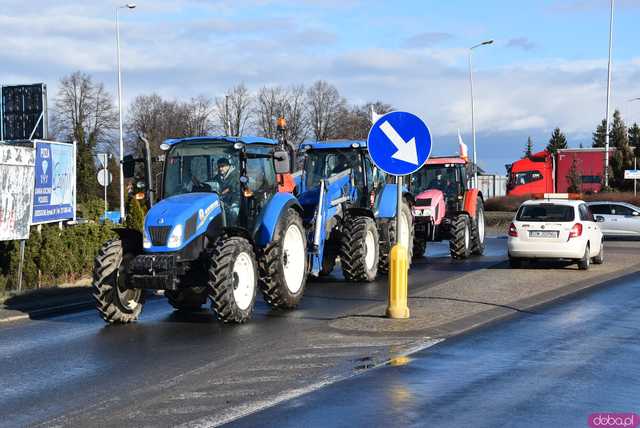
(406, 238)
(232, 279)
(359, 249)
(187, 299)
(460, 242)
(478, 230)
(283, 265)
(116, 304)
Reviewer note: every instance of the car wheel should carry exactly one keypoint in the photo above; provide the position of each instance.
(585, 261)
(599, 259)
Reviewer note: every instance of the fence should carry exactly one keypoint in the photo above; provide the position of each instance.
(492, 186)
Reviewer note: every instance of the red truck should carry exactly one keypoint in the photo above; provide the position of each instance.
(543, 172)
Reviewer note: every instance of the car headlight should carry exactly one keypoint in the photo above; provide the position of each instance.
(146, 241)
(175, 239)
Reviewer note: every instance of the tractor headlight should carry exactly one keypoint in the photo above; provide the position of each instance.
(425, 212)
(146, 242)
(175, 239)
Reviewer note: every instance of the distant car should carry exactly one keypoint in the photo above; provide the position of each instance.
(617, 218)
(555, 227)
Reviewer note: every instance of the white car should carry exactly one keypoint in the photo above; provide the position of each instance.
(617, 219)
(555, 227)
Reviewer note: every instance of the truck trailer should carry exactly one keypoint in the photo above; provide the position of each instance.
(545, 172)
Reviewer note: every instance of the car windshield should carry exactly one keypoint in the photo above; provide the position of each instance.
(435, 177)
(325, 163)
(197, 167)
(546, 213)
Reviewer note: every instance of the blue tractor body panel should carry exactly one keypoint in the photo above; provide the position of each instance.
(193, 211)
(271, 214)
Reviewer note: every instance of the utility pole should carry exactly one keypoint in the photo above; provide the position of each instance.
(473, 123)
(606, 138)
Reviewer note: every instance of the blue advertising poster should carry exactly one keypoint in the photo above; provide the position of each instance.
(55, 183)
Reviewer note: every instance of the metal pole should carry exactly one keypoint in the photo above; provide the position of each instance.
(635, 167)
(473, 124)
(398, 209)
(122, 213)
(606, 138)
(22, 244)
(104, 166)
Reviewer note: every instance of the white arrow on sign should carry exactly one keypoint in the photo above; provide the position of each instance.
(407, 151)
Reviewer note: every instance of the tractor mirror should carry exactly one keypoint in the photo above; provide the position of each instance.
(128, 166)
(282, 163)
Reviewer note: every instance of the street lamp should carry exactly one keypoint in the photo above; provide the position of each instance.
(473, 124)
(606, 138)
(126, 6)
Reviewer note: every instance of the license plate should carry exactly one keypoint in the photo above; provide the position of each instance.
(543, 233)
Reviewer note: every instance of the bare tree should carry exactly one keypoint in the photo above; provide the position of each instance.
(294, 112)
(199, 113)
(84, 112)
(355, 122)
(324, 105)
(270, 104)
(234, 109)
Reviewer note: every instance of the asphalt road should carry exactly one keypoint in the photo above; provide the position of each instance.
(553, 367)
(170, 368)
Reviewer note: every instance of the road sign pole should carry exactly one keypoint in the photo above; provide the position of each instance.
(635, 180)
(398, 268)
(21, 264)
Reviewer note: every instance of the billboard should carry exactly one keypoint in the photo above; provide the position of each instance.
(55, 182)
(16, 191)
(22, 106)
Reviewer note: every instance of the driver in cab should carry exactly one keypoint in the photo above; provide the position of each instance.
(228, 179)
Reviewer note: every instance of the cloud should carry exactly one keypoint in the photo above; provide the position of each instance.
(427, 39)
(521, 43)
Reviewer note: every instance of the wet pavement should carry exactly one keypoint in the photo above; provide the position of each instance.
(552, 367)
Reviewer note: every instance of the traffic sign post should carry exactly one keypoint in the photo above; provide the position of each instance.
(633, 174)
(104, 178)
(399, 143)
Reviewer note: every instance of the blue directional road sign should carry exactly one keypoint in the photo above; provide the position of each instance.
(399, 143)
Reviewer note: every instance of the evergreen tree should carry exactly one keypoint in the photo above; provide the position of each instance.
(528, 150)
(135, 215)
(557, 141)
(113, 191)
(634, 138)
(623, 157)
(600, 134)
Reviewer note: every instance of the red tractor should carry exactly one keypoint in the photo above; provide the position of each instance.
(446, 208)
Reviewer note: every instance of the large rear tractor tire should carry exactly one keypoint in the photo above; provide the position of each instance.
(460, 242)
(283, 265)
(233, 279)
(359, 249)
(187, 299)
(406, 238)
(115, 303)
(478, 230)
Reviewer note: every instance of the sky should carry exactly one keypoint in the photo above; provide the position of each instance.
(547, 67)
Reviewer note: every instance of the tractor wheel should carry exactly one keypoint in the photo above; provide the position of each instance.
(359, 249)
(232, 279)
(406, 238)
(283, 266)
(328, 264)
(115, 303)
(419, 247)
(460, 242)
(187, 299)
(478, 230)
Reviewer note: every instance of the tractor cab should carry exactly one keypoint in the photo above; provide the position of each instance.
(448, 175)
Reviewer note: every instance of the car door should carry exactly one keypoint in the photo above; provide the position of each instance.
(592, 228)
(627, 220)
(604, 211)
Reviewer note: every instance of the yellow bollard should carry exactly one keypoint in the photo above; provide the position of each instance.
(398, 279)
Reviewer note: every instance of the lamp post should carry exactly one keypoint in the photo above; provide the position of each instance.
(126, 6)
(473, 123)
(635, 159)
(606, 138)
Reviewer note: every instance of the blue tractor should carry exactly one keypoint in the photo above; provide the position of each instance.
(356, 206)
(221, 231)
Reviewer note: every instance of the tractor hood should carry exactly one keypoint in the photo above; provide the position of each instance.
(190, 212)
(430, 204)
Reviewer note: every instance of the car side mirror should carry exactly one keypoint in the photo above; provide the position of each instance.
(635, 213)
(128, 166)
(281, 162)
(599, 219)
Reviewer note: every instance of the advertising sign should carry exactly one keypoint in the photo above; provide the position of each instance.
(55, 182)
(16, 191)
(24, 112)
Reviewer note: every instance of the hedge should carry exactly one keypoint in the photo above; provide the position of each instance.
(52, 256)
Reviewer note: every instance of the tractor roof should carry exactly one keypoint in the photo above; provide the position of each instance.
(334, 144)
(445, 159)
(244, 139)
